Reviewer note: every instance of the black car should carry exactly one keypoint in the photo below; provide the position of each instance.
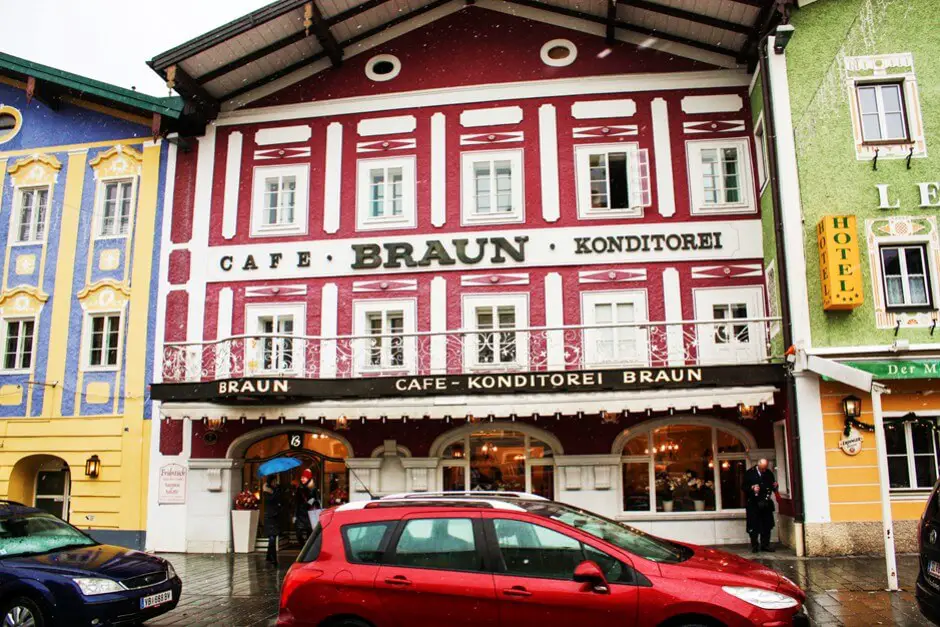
(928, 580)
(53, 574)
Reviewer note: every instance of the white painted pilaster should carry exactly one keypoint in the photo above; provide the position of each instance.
(812, 443)
(438, 169)
(662, 147)
(438, 325)
(672, 301)
(196, 288)
(548, 154)
(554, 317)
(224, 355)
(233, 165)
(329, 301)
(333, 175)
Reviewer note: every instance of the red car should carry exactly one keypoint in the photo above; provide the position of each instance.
(514, 560)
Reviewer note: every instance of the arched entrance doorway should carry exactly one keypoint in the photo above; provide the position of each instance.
(324, 455)
(43, 481)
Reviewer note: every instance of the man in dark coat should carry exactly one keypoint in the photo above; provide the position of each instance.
(760, 485)
(271, 493)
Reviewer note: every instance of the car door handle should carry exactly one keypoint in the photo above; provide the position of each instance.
(517, 591)
(398, 580)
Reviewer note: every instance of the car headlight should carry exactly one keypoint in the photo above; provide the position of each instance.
(170, 571)
(91, 586)
(764, 599)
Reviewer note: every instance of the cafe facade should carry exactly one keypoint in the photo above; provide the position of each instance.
(420, 274)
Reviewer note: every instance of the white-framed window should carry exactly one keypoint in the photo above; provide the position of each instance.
(615, 345)
(882, 110)
(273, 347)
(911, 448)
(613, 180)
(906, 276)
(381, 327)
(497, 344)
(782, 453)
(32, 213)
(734, 338)
(683, 468)
(720, 176)
(279, 200)
(498, 460)
(103, 340)
(18, 341)
(386, 193)
(761, 150)
(115, 207)
(492, 187)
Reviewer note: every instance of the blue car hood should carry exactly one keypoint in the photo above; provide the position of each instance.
(102, 560)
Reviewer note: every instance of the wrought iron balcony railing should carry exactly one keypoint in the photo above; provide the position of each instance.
(736, 341)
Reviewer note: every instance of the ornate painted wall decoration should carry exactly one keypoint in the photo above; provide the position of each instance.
(36, 169)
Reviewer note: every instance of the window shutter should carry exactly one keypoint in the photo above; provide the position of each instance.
(640, 195)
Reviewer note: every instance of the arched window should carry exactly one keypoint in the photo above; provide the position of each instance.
(683, 468)
(499, 460)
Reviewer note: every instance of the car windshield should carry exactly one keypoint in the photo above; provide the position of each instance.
(35, 533)
(620, 535)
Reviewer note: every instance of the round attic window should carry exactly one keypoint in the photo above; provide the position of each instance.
(10, 123)
(559, 53)
(383, 67)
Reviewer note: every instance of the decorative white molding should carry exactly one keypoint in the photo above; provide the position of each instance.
(602, 477)
(439, 325)
(491, 117)
(592, 109)
(672, 300)
(716, 103)
(329, 301)
(548, 156)
(572, 476)
(288, 152)
(387, 126)
(662, 153)
(438, 169)
(283, 135)
(555, 317)
(492, 138)
(401, 285)
(612, 276)
(386, 145)
(731, 271)
(603, 132)
(275, 290)
(494, 279)
(333, 177)
(233, 164)
(196, 288)
(713, 126)
(224, 327)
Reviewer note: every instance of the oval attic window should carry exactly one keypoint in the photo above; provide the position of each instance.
(10, 123)
(559, 53)
(383, 67)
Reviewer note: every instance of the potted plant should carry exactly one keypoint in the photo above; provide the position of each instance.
(245, 521)
(700, 491)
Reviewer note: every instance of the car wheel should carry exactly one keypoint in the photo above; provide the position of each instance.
(21, 612)
(349, 622)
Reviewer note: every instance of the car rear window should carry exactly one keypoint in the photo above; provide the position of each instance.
(366, 542)
(311, 550)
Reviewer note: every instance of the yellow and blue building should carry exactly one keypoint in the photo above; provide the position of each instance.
(83, 166)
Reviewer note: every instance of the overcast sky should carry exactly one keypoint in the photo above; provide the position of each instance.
(110, 40)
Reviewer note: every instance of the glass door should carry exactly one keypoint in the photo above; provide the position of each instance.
(52, 492)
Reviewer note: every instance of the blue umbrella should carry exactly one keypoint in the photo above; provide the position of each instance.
(278, 464)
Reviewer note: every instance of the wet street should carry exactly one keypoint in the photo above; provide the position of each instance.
(222, 590)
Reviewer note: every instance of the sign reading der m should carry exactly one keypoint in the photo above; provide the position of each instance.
(839, 264)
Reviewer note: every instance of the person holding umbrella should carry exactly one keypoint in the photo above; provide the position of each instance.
(271, 496)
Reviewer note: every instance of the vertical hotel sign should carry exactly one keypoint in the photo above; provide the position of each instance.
(839, 264)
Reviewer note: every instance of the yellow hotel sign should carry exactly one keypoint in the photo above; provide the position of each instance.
(839, 263)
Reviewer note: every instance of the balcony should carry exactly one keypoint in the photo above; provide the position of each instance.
(727, 342)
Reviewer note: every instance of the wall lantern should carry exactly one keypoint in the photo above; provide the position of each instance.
(214, 423)
(93, 467)
(342, 423)
(746, 412)
(852, 407)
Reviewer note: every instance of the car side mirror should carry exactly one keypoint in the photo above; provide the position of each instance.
(590, 573)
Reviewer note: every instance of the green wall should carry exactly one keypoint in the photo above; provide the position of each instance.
(832, 180)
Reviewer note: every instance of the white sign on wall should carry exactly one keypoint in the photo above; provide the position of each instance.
(172, 484)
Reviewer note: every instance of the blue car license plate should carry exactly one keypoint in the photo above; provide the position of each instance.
(156, 599)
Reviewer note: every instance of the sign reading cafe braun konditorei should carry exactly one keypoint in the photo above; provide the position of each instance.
(641, 243)
(251, 388)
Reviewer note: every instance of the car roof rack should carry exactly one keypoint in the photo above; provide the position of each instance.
(433, 501)
(474, 494)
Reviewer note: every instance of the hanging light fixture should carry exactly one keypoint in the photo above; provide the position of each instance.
(852, 406)
(93, 467)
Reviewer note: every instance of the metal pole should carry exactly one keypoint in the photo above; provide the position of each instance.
(886, 521)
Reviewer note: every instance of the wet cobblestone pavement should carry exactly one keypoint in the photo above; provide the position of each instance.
(241, 590)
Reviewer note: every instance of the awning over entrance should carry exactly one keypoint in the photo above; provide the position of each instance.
(501, 406)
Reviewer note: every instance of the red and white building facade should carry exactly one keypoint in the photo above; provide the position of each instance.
(489, 250)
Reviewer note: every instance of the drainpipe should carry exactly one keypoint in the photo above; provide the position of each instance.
(793, 423)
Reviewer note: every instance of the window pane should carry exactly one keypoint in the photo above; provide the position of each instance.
(894, 126)
(497, 461)
(26, 352)
(532, 551)
(636, 486)
(682, 455)
(896, 443)
(914, 257)
(454, 479)
(639, 445)
(918, 290)
(619, 177)
(364, 541)
(543, 481)
(925, 469)
(871, 129)
(731, 475)
(891, 97)
(13, 332)
(727, 443)
(898, 473)
(922, 437)
(866, 100)
(438, 543)
(895, 290)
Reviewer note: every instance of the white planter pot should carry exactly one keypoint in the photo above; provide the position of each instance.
(245, 529)
(699, 506)
(667, 506)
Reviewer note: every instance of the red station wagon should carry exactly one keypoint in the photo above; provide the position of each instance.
(514, 560)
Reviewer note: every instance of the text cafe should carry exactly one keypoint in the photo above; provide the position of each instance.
(663, 448)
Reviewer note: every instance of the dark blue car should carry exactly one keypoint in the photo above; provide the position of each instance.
(53, 574)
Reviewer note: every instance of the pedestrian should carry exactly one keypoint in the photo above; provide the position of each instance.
(272, 516)
(760, 486)
(304, 501)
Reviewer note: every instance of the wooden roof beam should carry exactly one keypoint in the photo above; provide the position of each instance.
(611, 21)
(190, 89)
(682, 14)
(352, 12)
(767, 19)
(313, 17)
